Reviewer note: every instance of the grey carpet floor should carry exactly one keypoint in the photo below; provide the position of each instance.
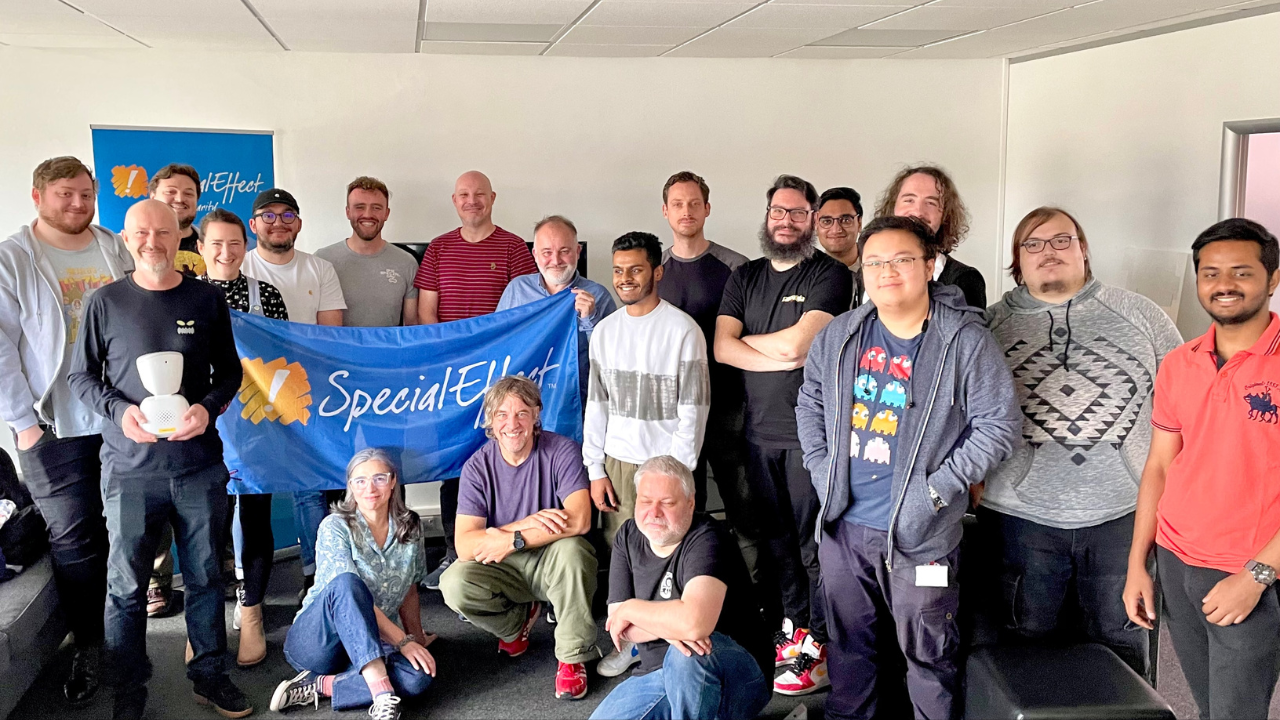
(472, 682)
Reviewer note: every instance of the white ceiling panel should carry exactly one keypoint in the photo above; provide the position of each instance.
(174, 31)
(1041, 5)
(885, 38)
(599, 35)
(112, 41)
(328, 34)
(163, 8)
(747, 42)
(664, 13)
(841, 53)
(489, 32)
(897, 5)
(47, 18)
(505, 11)
(481, 48)
(571, 50)
(957, 19)
(835, 17)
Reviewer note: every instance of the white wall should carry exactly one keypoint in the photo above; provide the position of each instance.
(1128, 137)
(593, 139)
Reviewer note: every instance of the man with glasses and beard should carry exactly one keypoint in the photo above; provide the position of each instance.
(313, 296)
(1209, 502)
(556, 251)
(771, 311)
(58, 262)
(178, 186)
(376, 276)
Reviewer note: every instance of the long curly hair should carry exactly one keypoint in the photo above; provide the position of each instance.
(955, 216)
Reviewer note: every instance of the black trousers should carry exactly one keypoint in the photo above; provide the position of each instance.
(64, 477)
(1232, 670)
(449, 515)
(724, 451)
(787, 510)
(258, 544)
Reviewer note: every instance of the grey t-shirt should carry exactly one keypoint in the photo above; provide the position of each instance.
(80, 273)
(374, 286)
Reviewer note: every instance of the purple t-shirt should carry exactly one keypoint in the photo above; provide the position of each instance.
(492, 489)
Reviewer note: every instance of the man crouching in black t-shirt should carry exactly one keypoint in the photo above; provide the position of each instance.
(679, 589)
(148, 482)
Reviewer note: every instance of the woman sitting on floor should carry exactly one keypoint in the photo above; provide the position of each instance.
(368, 566)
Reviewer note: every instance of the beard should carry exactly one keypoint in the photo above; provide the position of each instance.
(158, 267)
(667, 536)
(58, 221)
(366, 234)
(550, 276)
(1244, 314)
(646, 290)
(184, 224)
(800, 250)
(278, 247)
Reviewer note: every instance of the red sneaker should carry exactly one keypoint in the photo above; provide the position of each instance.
(571, 681)
(808, 672)
(516, 647)
(787, 642)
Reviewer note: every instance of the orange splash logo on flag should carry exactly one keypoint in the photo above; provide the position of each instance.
(129, 180)
(275, 391)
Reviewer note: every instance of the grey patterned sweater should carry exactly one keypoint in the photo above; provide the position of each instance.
(1084, 371)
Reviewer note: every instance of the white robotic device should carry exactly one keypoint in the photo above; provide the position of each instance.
(161, 374)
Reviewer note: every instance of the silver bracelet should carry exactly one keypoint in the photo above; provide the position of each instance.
(404, 641)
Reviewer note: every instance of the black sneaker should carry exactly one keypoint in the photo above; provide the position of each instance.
(224, 696)
(82, 681)
(432, 580)
(303, 689)
(385, 707)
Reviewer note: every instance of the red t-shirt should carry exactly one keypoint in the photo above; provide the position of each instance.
(1221, 501)
(470, 277)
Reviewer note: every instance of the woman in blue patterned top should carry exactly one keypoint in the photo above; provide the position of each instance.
(358, 638)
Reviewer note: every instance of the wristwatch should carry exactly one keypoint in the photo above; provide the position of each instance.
(1261, 572)
(518, 544)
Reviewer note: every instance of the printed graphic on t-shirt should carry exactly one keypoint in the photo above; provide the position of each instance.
(878, 388)
(77, 284)
(1262, 406)
(391, 275)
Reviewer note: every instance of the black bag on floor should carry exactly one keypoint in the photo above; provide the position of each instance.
(24, 537)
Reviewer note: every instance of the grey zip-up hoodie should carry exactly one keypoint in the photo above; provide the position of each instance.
(33, 332)
(1084, 371)
(961, 420)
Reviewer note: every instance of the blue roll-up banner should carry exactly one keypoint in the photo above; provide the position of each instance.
(234, 166)
(313, 395)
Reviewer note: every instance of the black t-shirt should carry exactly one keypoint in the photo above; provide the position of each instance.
(707, 549)
(121, 323)
(765, 301)
(695, 285)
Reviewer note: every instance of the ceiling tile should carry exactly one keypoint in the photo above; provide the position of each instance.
(596, 35)
(835, 17)
(897, 5)
(481, 48)
(48, 19)
(491, 32)
(328, 34)
(841, 53)
(530, 12)
(747, 42)
(1041, 5)
(571, 50)
(957, 19)
(664, 13)
(885, 38)
(42, 40)
(165, 8)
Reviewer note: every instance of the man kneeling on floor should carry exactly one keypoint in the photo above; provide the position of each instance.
(679, 589)
(524, 503)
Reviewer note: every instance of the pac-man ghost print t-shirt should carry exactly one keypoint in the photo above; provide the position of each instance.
(880, 391)
(637, 572)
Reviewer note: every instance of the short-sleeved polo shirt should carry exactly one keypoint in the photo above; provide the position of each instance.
(1221, 501)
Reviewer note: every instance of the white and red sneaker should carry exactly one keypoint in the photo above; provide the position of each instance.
(787, 643)
(571, 681)
(808, 672)
(516, 647)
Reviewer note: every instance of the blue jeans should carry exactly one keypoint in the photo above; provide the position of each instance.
(338, 635)
(727, 684)
(137, 509)
(309, 508)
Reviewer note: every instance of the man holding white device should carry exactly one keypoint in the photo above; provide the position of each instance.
(152, 333)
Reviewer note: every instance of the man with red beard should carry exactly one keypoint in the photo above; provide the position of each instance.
(771, 311)
(376, 276)
(59, 261)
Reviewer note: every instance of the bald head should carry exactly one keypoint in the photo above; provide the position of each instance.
(473, 199)
(151, 234)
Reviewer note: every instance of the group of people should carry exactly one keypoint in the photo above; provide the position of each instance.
(850, 393)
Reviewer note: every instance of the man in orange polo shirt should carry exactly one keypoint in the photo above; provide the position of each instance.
(1210, 494)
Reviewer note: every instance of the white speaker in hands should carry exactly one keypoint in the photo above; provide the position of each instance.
(161, 374)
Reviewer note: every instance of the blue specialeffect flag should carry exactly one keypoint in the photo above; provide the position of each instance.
(314, 395)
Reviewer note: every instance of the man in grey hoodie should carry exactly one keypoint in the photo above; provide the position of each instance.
(48, 271)
(1058, 515)
(906, 403)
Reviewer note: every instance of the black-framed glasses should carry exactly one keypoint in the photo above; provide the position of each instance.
(777, 212)
(901, 264)
(287, 217)
(846, 221)
(1058, 242)
(379, 480)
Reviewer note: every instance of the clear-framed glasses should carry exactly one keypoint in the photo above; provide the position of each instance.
(777, 212)
(287, 217)
(901, 264)
(379, 480)
(1059, 242)
(846, 221)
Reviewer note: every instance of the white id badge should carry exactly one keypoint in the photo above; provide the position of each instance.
(931, 576)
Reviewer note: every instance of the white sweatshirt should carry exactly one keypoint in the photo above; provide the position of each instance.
(649, 392)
